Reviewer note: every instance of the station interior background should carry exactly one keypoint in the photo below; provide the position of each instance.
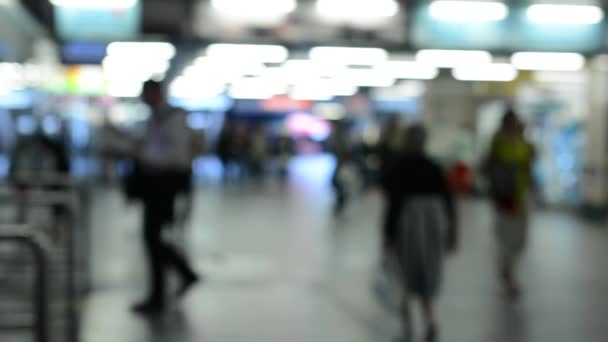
(294, 70)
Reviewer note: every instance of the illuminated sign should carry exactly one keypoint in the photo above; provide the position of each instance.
(98, 23)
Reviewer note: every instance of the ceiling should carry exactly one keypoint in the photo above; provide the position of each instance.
(192, 20)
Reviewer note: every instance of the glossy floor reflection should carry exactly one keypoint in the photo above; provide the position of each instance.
(279, 267)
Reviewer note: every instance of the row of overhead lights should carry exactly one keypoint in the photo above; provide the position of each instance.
(488, 11)
(327, 72)
(447, 10)
(266, 8)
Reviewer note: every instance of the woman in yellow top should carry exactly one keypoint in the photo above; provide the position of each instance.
(509, 169)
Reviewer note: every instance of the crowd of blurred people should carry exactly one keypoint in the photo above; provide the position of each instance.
(420, 222)
(251, 151)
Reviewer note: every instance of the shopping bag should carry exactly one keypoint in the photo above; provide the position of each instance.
(387, 284)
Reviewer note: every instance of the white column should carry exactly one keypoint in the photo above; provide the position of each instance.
(595, 175)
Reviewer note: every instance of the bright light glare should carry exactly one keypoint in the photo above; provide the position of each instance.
(12, 77)
(258, 9)
(142, 50)
(95, 4)
(90, 77)
(453, 58)
(565, 14)
(548, 61)
(11, 71)
(357, 9)
(256, 88)
(142, 68)
(309, 94)
(323, 89)
(348, 55)
(195, 88)
(301, 70)
(224, 69)
(124, 88)
(502, 72)
(409, 70)
(468, 11)
(258, 53)
(367, 78)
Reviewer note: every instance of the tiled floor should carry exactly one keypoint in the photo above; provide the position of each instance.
(279, 267)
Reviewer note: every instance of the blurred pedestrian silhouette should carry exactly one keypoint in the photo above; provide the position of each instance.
(420, 225)
(344, 172)
(390, 143)
(40, 162)
(258, 153)
(164, 159)
(226, 151)
(509, 171)
(284, 150)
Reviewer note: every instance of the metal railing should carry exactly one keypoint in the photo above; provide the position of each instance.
(27, 199)
(20, 235)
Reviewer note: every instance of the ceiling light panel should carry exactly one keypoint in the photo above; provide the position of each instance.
(565, 14)
(499, 72)
(548, 61)
(468, 11)
(346, 10)
(258, 53)
(348, 55)
(453, 58)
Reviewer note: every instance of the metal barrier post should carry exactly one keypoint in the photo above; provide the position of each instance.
(40, 295)
(49, 198)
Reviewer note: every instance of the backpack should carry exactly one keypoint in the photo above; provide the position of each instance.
(503, 179)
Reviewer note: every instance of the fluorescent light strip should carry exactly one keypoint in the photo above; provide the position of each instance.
(300, 70)
(112, 63)
(565, 14)
(195, 88)
(124, 88)
(224, 69)
(116, 67)
(468, 11)
(367, 78)
(503, 72)
(309, 94)
(254, 9)
(142, 50)
(357, 9)
(95, 4)
(555, 61)
(409, 70)
(333, 87)
(258, 53)
(348, 55)
(453, 58)
(256, 88)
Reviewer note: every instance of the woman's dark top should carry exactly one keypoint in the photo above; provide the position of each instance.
(411, 176)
